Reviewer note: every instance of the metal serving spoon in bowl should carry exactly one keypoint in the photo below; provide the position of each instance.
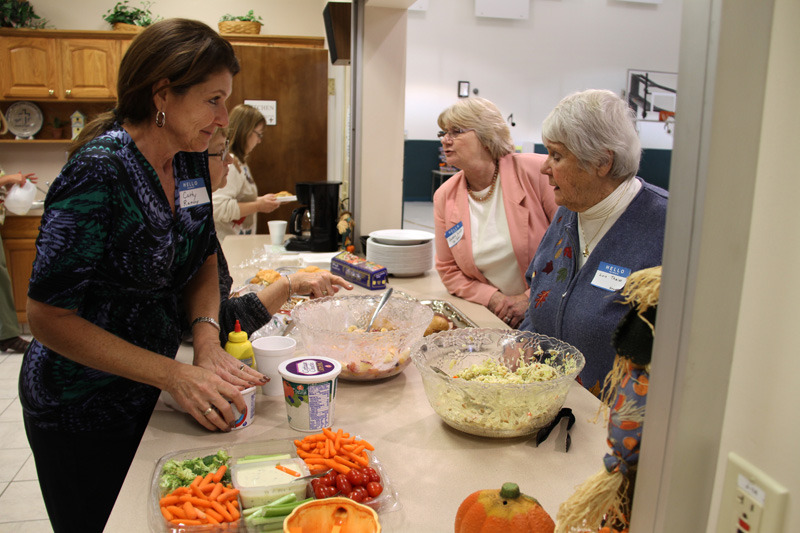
(381, 303)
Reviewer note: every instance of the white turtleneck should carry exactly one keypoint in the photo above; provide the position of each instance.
(595, 222)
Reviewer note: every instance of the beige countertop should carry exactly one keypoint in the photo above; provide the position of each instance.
(431, 466)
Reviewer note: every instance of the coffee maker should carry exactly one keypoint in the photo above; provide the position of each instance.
(320, 201)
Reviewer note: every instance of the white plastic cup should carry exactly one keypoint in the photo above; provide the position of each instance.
(271, 352)
(277, 231)
(242, 420)
(309, 385)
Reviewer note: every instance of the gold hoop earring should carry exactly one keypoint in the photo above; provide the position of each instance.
(160, 118)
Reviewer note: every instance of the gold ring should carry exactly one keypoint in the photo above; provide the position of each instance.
(324, 293)
(242, 367)
(208, 411)
(508, 319)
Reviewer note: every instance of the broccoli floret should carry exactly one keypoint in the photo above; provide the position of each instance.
(181, 473)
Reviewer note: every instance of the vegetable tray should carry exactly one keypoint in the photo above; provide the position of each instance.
(387, 501)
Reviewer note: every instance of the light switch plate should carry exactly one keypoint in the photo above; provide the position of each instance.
(751, 500)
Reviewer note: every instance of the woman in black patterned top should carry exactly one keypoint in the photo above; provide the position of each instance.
(126, 249)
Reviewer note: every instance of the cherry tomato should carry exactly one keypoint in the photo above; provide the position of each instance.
(319, 491)
(343, 484)
(374, 488)
(358, 494)
(372, 473)
(315, 483)
(356, 477)
(328, 492)
(328, 479)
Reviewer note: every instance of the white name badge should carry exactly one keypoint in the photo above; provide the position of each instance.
(192, 193)
(610, 277)
(454, 234)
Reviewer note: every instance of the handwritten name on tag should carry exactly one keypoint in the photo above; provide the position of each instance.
(610, 277)
(454, 234)
(192, 193)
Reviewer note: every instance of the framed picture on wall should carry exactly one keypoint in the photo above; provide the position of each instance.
(651, 93)
(463, 89)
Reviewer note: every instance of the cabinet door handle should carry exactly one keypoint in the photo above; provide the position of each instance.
(51, 92)
(68, 92)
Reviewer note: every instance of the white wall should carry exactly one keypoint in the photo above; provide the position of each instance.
(527, 66)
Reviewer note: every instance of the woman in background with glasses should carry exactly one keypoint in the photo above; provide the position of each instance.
(255, 309)
(491, 215)
(236, 204)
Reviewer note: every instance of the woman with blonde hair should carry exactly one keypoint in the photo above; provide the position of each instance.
(490, 216)
(237, 203)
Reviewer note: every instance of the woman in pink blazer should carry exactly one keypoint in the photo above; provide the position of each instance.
(491, 215)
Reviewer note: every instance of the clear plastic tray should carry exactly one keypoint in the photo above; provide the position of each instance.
(386, 502)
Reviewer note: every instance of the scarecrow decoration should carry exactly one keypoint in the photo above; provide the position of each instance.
(603, 502)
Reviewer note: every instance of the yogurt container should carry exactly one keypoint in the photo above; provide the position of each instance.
(309, 388)
(245, 419)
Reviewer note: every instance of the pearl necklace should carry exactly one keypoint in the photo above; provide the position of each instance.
(491, 189)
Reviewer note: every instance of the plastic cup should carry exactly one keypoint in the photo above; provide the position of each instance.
(309, 388)
(277, 231)
(242, 420)
(271, 352)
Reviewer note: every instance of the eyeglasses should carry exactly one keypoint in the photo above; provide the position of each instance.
(454, 133)
(224, 153)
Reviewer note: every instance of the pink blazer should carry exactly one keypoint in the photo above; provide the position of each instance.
(530, 206)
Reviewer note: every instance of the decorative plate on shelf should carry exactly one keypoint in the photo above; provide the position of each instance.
(24, 119)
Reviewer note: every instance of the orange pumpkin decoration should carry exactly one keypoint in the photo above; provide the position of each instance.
(502, 511)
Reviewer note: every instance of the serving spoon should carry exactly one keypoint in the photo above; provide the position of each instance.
(381, 303)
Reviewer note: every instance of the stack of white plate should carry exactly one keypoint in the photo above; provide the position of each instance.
(402, 252)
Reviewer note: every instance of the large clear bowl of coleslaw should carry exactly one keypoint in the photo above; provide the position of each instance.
(335, 327)
(496, 382)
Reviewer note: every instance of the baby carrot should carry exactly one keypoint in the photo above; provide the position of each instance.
(191, 514)
(218, 507)
(339, 467)
(170, 499)
(232, 509)
(211, 513)
(196, 491)
(196, 481)
(181, 490)
(177, 512)
(367, 445)
(337, 442)
(227, 494)
(329, 434)
(342, 460)
(206, 480)
(218, 488)
(217, 477)
(357, 458)
(167, 515)
(287, 470)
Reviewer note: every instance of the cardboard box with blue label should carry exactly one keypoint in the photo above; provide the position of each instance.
(359, 271)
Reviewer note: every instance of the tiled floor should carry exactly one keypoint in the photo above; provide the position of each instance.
(21, 506)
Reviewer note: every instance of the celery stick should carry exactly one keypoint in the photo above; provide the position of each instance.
(265, 521)
(254, 458)
(286, 498)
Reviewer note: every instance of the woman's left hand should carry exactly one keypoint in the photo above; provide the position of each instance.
(510, 309)
(209, 354)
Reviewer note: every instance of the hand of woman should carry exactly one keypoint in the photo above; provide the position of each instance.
(317, 284)
(18, 179)
(267, 203)
(210, 355)
(205, 396)
(510, 309)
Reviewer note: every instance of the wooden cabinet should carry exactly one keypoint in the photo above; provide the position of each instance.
(19, 244)
(58, 65)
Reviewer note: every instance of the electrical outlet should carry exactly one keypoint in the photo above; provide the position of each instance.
(752, 502)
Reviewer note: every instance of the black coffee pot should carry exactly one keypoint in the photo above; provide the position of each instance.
(320, 211)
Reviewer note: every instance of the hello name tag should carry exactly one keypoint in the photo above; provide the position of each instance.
(454, 234)
(610, 277)
(192, 193)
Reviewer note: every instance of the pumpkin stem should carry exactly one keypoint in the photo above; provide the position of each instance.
(509, 491)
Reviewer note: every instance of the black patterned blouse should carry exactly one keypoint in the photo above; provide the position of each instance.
(110, 247)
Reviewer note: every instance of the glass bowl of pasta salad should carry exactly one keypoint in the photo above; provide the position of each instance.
(335, 327)
(496, 382)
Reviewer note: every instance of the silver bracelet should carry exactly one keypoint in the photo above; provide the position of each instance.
(289, 281)
(207, 319)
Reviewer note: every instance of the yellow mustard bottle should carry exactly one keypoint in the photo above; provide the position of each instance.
(239, 347)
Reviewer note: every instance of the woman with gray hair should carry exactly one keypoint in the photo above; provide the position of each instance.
(610, 223)
(490, 216)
